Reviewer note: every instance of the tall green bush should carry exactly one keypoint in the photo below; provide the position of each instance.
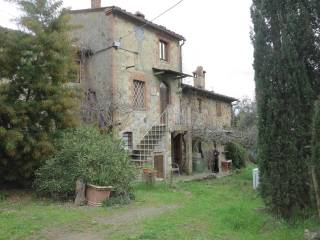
(315, 154)
(85, 153)
(237, 154)
(34, 102)
(315, 146)
(286, 63)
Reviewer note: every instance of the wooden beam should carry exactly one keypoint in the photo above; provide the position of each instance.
(159, 73)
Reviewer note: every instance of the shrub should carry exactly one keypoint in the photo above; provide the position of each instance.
(35, 102)
(3, 196)
(237, 154)
(85, 153)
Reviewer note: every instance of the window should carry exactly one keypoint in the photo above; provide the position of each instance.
(78, 71)
(200, 148)
(219, 109)
(127, 140)
(138, 95)
(163, 50)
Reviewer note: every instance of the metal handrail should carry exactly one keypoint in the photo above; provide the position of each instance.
(156, 122)
(179, 116)
(152, 137)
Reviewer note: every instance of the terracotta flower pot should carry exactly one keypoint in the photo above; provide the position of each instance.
(95, 195)
(149, 175)
(148, 170)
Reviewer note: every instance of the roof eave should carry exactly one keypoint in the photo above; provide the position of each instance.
(118, 10)
(210, 94)
(169, 72)
(87, 10)
(114, 9)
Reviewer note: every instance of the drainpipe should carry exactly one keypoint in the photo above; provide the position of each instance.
(183, 42)
(180, 83)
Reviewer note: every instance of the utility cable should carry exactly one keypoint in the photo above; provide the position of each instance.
(8, 13)
(148, 22)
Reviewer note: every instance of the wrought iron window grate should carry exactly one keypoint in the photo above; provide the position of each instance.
(138, 95)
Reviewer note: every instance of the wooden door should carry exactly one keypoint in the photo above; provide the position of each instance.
(164, 99)
(158, 165)
(164, 96)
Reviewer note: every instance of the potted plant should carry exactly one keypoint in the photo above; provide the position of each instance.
(97, 189)
(148, 168)
(149, 173)
(96, 195)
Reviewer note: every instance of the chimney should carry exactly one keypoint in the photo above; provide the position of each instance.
(140, 15)
(199, 78)
(95, 3)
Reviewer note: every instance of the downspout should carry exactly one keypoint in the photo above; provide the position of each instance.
(180, 82)
(183, 42)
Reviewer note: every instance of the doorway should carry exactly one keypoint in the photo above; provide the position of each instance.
(177, 151)
(159, 165)
(164, 96)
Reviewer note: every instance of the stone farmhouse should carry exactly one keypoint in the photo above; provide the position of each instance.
(133, 68)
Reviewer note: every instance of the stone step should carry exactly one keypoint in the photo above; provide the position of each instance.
(160, 126)
(141, 151)
(153, 137)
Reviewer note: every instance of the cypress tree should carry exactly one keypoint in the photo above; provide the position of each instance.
(315, 159)
(285, 54)
(35, 101)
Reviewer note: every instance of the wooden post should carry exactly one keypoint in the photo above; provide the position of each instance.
(80, 193)
(316, 188)
(189, 152)
(189, 142)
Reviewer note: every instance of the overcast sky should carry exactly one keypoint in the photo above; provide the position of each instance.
(217, 33)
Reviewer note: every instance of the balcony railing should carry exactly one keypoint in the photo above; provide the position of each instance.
(177, 116)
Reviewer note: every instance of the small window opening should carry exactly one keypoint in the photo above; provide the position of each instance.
(127, 140)
(163, 50)
(78, 73)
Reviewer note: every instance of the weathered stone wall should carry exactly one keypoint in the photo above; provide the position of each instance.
(94, 31)
(140, 52)
(207, 116)
(134, 60)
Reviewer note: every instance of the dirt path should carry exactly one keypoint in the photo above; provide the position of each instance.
(126, 222)
(134, 215)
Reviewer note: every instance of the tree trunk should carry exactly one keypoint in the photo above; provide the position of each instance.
(316, 188)
(80, 193)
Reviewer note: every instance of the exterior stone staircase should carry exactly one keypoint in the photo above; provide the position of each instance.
(152, 140)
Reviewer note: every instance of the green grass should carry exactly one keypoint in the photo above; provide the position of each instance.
(223, 209)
